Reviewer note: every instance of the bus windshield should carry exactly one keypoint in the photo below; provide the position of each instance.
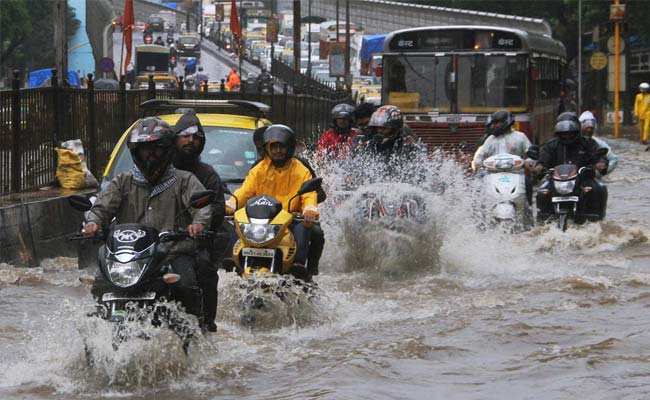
(417, 83)
(487, 83)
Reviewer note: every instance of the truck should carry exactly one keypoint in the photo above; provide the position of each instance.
(151, 58)
(371, 45)
(169, 18)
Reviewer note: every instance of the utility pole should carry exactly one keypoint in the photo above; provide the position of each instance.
(309, 42)
(60, 39)
(296, 35)
(579, 56)
(348, 80)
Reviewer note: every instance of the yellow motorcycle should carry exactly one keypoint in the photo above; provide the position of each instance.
(265, 251)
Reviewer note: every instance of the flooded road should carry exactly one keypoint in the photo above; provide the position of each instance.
(543, 314)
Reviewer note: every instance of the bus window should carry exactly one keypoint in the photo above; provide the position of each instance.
(487, 83)
(416, 83)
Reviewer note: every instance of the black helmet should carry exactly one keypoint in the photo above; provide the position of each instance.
(387, 117)
(147, 131)
(499, 122)
(280, 133)
(364, 110)
(343, 111)
(567, 132)
(568, 116)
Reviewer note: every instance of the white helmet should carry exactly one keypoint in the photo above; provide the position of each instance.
(644, 86)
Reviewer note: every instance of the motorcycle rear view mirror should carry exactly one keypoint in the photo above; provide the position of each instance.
(202, 198)
(311, 185)
(79, 202)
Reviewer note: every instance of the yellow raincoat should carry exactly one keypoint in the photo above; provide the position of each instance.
(281, 183)
(642, 112)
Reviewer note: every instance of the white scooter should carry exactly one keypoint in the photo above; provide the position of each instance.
(505, 184)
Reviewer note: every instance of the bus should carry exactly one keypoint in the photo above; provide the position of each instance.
(447, 80)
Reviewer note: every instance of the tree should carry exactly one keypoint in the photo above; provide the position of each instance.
(26, 33)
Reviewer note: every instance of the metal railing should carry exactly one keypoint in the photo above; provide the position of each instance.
(34, 121)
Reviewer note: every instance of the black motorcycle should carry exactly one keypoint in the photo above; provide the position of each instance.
(568, 193)
(133, 261)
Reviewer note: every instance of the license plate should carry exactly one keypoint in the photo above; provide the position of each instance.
(113, 296)
(565, 199)
(253, 252)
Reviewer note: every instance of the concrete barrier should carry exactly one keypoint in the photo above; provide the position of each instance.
(34, 229)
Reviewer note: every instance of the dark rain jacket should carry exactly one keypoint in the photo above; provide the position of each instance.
(132, 202)
(212, 181)
(582, 153)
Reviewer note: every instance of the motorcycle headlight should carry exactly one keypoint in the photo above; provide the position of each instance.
(259, 233)
(125, 274)
(564, 187)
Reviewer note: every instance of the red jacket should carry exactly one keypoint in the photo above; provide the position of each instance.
(334, 145)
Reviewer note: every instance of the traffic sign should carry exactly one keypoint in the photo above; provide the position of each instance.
(611, 43)
(106, 64)
(598, 60)
(272, 30)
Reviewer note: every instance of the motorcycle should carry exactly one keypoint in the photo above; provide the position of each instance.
(133, 261)
(505, 184)
(565, 195)
(265, 251)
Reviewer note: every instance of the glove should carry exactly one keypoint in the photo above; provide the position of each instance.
(230, 207)
(310, 214)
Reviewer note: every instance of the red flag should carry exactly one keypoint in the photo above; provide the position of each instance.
(128, 25)
(235, 26)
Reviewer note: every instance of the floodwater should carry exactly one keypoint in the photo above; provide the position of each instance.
(464, 313)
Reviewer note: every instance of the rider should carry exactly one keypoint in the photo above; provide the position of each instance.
(190, 141)
(336, 141)
(502, 139)
(154, 192)
(280, 175)
(362, 114)
(392, 137)
(264, 81)
(159, 41)
(588, 126)
(201, 76)
(569, 147)
(233, 81)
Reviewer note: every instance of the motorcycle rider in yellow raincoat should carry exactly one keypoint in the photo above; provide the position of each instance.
(280, 175)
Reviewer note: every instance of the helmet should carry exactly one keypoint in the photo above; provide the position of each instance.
(567, 132)
(387, 117)
(147, 131)
(280, 133)
(343, 111)
(499, 122)
(568, 116)
(364, 110)
(644, 87)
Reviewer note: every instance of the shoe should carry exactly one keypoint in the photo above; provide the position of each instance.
(299, 271)
(312, 268)
(209, 326)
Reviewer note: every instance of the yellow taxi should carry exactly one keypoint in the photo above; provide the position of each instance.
(368, 94)
(228, 126)
(162, 81)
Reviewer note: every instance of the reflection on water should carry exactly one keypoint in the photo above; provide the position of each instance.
(479, 314)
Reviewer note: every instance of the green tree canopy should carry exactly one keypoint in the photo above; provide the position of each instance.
(27, 31)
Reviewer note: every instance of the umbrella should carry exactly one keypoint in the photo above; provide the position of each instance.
(109, 84)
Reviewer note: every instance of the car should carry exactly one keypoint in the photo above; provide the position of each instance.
(161, 81)
(229, 135)
(188, 46)
(229, 147)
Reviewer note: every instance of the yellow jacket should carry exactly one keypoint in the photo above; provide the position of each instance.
(281, 183)
(641, 105)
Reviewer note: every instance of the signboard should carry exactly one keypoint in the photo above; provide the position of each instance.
(219, 13)
(106, 64)
(272, 27)
(621, 74)
(611, 43)
(337, 59)
(598, 61)
(617, 12)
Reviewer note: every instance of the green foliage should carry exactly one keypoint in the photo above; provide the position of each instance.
(27, 31)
